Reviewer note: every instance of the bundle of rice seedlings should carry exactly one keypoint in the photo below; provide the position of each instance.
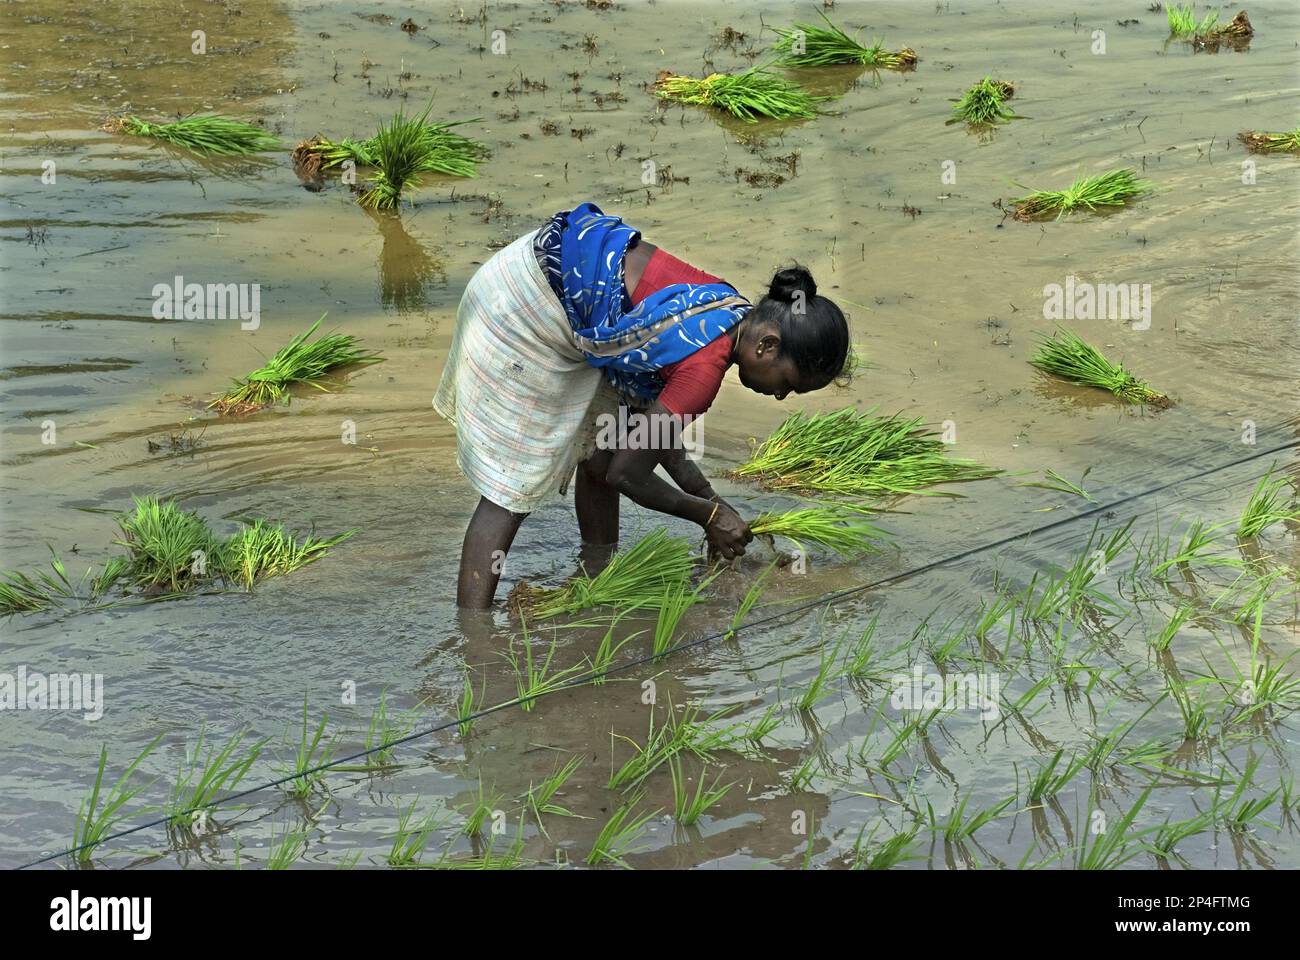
(750, 95)
(169, 549)
(639, 576)
(299, 362)
(20, 593)
(985, 103)
(262, 550)
(1207, 32)
(852, 453)
(1068, 356)
(1271, 142)
(1114, 188)
(810, 45)
(834, 527)
(211, 134)
(406, 147)
(445, 152)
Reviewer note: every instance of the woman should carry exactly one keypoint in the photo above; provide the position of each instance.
(549, 342)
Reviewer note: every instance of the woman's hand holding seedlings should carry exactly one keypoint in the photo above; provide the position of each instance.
(727, 533)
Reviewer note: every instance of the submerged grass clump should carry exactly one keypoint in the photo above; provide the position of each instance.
(1288, 142)
(985, 103)
(299, 362)
(751, 95)
(639, 576)
(852, 453)
(1114, 188)
(216, 134)
(834, 527)
(1068, 356)
(811, 45)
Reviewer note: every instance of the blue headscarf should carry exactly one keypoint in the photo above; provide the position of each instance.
(632, 345)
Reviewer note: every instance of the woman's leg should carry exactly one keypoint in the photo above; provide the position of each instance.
(487, 541)
(596, 502)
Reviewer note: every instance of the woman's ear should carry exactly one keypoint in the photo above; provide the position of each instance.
(768, 343)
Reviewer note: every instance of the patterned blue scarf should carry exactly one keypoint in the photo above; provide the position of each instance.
(633, 345)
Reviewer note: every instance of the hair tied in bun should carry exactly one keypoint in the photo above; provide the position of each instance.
(787, 284)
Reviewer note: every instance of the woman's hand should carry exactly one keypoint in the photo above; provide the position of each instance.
(727, 533)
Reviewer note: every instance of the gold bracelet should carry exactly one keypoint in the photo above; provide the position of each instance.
(711, 516)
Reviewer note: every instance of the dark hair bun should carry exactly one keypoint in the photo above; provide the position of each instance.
(786, 283)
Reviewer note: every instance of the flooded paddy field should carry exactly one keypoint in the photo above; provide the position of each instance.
(1152, 690)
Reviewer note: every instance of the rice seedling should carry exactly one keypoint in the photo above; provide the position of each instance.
(312, 752)
(484, 806)
(677, 599)
(985, 104)
(827, 673)
(115, 568)
(408, 146)
(1172, 626)
(1196, 722)
(533, 680)
(444, 152)
(603, 658)
(688, 807)
(636, 577)
(1266, 506)
(299, 362)
(205, 775)
(21, 593)
(1054, 481)
(1239, 812)
(684, 734)
(384, 731)
(1171, 833)
(263, 550)
(885, 855)
(835, 527)
(958, 827)
(748, 601)
(1196, 547)
(1114, 188)
(412, 838)
(286, 849)
(1047, 781)
(214, 134)
(802, 777)
(812, 45)
(1070, 357)
(620, 835)
(99, 813)
(1114, 844)
(168, 548)
(539, 797)
(510, 858)
(1256, 142)
(750, 95)
(1072, 590)
(1207, 32)
(756, 731)
(852, 453)
(1183, 22)
(467, 702)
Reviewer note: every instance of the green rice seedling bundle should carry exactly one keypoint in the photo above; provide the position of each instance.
(1114, 188)
(1068, 356)
(851, 453)
(639, 576)
(985, 103)
(263, 550)
(750, 95)
(812, 45)
(169, 549)
(406, 147)
(299, 362)
(1207, 31)
(211, 134)
(1288, 142)
(834, 527)
(441, 149)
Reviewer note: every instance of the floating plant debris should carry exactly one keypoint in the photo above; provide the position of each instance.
(210, 134)
(810, 45)
(1271, 142)
(751, 95)
(299, 362)
(1114, 188)
(1068, 356)
(836, 527)
(636, 577)
(985, 103)
(853, 453)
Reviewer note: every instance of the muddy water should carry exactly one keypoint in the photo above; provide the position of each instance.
(945, 304)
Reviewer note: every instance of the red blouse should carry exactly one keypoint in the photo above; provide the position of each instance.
(690, 384)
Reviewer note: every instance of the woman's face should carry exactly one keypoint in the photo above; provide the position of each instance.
(762, 366)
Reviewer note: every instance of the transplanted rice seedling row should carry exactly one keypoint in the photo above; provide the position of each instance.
(1069, 356)
(851, 453)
